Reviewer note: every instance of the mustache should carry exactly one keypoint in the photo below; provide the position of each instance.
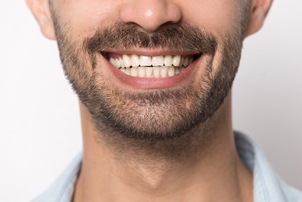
(180, 37)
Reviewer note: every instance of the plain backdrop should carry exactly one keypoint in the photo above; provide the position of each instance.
(39, 119)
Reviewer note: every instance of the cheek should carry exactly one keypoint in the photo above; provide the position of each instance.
(84, 16)
(217, 16)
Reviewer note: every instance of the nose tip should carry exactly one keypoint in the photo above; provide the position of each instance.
(150, 14)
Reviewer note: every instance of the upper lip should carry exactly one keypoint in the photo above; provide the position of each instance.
(149, 52)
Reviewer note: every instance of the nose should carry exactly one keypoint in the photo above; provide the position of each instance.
(150, 14)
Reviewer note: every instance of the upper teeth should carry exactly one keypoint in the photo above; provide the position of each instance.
(148, 61)
(151, 67)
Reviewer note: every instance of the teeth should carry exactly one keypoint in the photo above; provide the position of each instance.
(121, 62)
(145, 61)
(117, 63)
(171, 71)
(112, 61)
(185, 62)
(134, 71)
(157, 61)
(134, 61)
(164, 71)
(127, 71)
(151, 67)
(148, 71)
(152, 72)
(176, 61)
(168, 60)
(141, 71)
(156, 71)
(127, 61)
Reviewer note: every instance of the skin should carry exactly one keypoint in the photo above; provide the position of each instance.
(204, 165)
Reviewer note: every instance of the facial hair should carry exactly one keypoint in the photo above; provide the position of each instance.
(148, 115)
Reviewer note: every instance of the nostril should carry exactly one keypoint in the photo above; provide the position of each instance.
(150, 14)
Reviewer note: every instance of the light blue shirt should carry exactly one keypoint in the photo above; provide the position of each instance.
(268, 187)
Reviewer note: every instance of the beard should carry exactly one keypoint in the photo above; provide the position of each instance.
(153, 114)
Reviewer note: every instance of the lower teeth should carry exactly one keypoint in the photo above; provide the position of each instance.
(152, 72)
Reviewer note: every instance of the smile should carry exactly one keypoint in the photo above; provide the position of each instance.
(161, 66)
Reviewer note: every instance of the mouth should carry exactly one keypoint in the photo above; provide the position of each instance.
(156, 67)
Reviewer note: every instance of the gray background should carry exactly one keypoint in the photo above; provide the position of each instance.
(39, 119)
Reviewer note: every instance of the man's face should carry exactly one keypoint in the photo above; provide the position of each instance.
(150, 69)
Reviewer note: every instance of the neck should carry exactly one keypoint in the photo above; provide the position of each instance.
(191, 168)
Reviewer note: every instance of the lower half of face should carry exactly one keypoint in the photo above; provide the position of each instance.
(150, 86)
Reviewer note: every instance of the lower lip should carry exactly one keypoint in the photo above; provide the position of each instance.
(154, 83)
